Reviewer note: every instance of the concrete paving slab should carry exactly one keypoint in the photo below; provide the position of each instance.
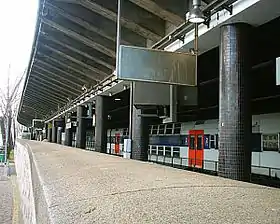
(6, 197)
(88, 187)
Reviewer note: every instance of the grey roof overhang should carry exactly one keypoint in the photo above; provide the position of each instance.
(74, 50)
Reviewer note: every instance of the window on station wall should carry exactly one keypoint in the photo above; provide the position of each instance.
(154, 150)
(270, 142)
(154, 129)
(161, 129)
(177, 128)
(150, 129)
(169, 129)
(167, 151)
(160, 150)
(176, 152)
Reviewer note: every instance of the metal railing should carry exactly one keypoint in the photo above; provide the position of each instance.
(201, 165)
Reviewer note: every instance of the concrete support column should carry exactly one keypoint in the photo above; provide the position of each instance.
(68, 130)
(90, 110)
(46, 131)
(235, 120)
(59, 133)
(140, 136)
(81, 127)
(101, 124)
(49, 135)
(54, 132)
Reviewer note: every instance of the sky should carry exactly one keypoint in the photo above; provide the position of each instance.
(17, 29)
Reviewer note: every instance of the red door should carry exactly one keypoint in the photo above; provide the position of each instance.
(196, 148)
(117, 143)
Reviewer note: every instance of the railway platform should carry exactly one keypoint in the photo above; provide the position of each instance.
(70, 185)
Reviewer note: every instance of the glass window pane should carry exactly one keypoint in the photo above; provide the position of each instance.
(199, 142)
(192, 142)
(160, 151)
(155, 129)
(168, 151)
(169, 129)
(217, 141)
(176, 152)
(161, 129)
(177, 128)
(212, 142)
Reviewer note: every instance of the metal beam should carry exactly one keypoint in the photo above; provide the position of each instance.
(75, 50)
(47, 91)
(29, 107)
(125, 22)
(58, 76)
(80, 38)
(83, 23)
(39, 110)
(40, 94)
(66, 1)
(51, 86)
(70, 58)
(65, 65)
(66, 74)
(39, 100)
(154, 8)
(49, 79)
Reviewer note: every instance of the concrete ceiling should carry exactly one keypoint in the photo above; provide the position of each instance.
(75, 46)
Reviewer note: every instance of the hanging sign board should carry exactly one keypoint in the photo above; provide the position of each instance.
(150, 65)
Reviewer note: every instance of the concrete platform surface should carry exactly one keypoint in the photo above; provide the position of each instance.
(88, 187)
(6, 197)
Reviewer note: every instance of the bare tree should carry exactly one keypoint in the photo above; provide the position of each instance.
(9, 101)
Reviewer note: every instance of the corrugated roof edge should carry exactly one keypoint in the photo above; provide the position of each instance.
(32, 55)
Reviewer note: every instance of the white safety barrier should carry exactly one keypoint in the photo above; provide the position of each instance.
(24, 178)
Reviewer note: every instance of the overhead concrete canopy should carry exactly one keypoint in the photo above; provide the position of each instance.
(74, 49)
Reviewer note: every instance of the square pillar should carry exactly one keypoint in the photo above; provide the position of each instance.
(81, 127)
(46, 131)
(54, 132)
(101, 117)
(49, 135)
(140, 136)
(68, 130)
(59, 134)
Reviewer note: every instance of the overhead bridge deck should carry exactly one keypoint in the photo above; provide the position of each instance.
(70, 185)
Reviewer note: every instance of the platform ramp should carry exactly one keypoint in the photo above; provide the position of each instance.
(69, 185)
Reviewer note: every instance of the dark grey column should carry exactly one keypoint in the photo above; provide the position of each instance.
(81, 127)
(101, 118)
(140, 136)
(49, 132)
(235, 120)
(46, 131)
(59, 133)
(54, 132)
(90, 110)
(68, 130)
